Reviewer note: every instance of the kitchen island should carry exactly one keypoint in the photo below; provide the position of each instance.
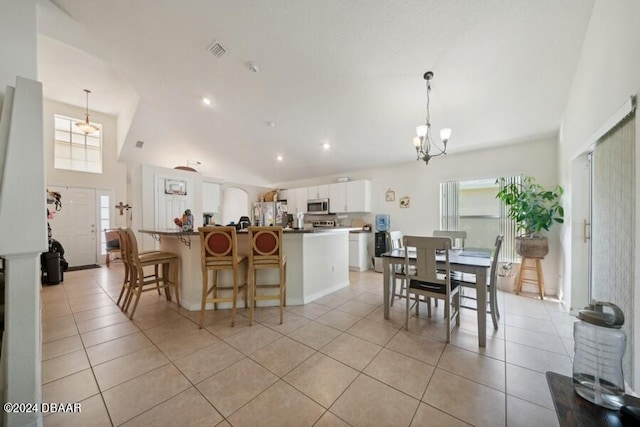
(317, 263)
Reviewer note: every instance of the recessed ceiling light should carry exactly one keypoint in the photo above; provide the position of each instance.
(253, 67)
(326, 145)
(271, 124)
(279, 158)
(206, 101)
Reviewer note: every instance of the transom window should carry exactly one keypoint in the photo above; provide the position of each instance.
(73, 149)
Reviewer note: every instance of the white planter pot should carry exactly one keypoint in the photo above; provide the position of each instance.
(507, 284)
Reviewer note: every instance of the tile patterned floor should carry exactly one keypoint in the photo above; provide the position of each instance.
(334, 362)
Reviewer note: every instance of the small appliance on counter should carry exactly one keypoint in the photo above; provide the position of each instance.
(207, 219)
(298, 223)
(243, 223)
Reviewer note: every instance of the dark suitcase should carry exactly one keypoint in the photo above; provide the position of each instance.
(51, 271)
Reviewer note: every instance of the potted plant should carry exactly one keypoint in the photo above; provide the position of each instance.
(534, 209)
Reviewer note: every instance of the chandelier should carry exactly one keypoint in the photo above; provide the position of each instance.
(425, 147)
(86, 126)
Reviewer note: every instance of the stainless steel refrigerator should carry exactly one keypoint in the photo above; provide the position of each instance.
(269, 213)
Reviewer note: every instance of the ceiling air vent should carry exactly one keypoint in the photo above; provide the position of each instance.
(139, 144)
(217, 49)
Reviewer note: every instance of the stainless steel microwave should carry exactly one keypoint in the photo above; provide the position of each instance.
(318, 206)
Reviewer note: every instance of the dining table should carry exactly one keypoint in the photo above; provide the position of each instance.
(459, 260)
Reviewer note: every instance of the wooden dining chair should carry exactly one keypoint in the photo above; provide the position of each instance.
(266, 252)
(164, 276)
(219, 252)
(469, 281)
(398, 273)
(428, 280)
(457, 237)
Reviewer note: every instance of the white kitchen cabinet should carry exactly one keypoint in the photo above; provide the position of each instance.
(338, 197)
(358, 196)
(297, 200)
(351, 196)
(358, 252)
(210, 197)
(318, 192)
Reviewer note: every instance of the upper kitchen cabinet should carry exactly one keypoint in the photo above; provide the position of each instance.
(210, 197)
(351, 196)
(318, 192)
(338, 197)
(296, 199)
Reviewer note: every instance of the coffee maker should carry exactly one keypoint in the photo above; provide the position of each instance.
(207, 219)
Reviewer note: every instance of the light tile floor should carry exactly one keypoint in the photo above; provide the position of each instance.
(334, 362)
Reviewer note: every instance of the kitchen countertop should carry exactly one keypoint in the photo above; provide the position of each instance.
(286, 231)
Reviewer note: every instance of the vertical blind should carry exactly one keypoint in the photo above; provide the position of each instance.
(449, 205)
(613, 225)
(508, 226)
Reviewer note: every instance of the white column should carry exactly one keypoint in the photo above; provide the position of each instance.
(22, 352)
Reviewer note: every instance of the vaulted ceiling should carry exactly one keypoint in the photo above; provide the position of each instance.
(344, 72)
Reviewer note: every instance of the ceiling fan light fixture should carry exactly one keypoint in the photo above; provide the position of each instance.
(187, 167)
(87, 127)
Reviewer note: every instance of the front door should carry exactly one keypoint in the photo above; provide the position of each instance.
(75, 225)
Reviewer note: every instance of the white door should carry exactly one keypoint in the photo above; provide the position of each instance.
(75, 225)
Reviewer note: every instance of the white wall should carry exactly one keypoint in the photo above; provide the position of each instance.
(608, 72)
(114, 173)
(18, 45)
(20, 372)
(421, 184)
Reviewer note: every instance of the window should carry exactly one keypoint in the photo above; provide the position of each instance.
(472, 206)
(73, 149)
(105, 221)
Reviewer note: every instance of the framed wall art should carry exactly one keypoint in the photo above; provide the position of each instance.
(174, 186)
(390, 195)
(404, 202)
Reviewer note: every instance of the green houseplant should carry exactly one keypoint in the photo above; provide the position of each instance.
(534, 209)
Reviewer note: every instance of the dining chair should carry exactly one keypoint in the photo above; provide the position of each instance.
(266, 252)
(469, 281)
(398, 270)
(457, 242)
(219, 252)
(428, 281)
(165, 276)
(457, 237)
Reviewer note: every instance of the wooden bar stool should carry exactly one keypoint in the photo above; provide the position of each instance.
(128, 269)
(537, 267)
(139, 282)
(266, 252)
(219, 251)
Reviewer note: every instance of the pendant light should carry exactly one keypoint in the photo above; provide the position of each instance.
(86, 127)
(425, 146)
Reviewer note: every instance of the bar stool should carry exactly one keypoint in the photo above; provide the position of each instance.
(128, 269)
(537, 268)
(266, 252)
(219, 251)
(139, 282)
